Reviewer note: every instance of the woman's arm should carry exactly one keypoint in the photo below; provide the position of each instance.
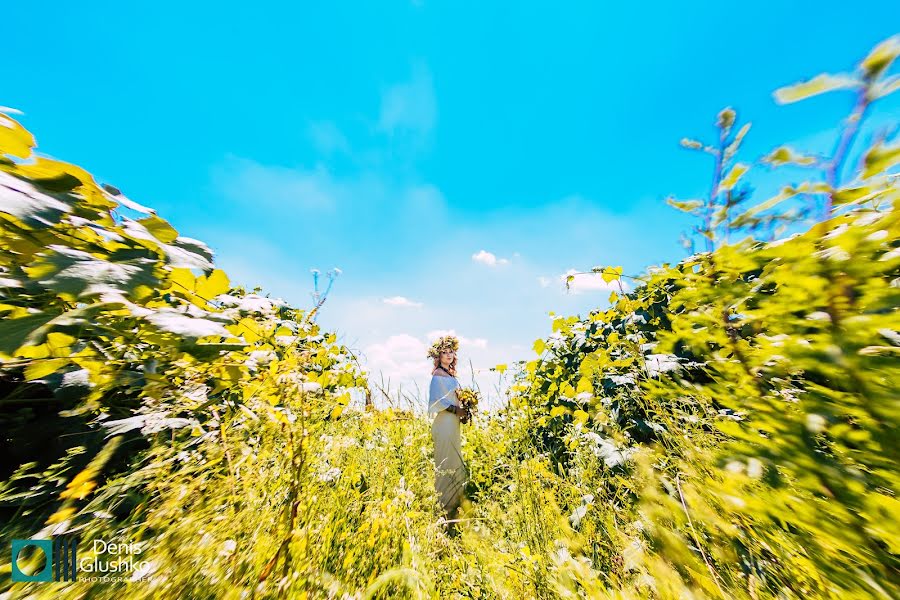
(439, 396)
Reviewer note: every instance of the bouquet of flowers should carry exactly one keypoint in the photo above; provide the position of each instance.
(468, 399)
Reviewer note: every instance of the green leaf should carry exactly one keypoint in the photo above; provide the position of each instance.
(881, 57)
(189, 253)
(611, 274)
(785, 155)
(787, 192)
(15, 140)
(81, 275)
(22, 200)
(880, 159)
(14, 332)
(179, 323)
(208, 352)
(160, 229)
(736, 143)
(726, 118)
(558, 410)
(817, 85)
(885, 88)
(847, 195)
(688, 206)
(213, 285)
(40, 368)
(733, 176)
(584, 385)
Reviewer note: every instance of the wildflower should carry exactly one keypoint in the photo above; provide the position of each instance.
(468, 399)
(661, 363)
(443, 344)
(330, 475)
(228, 548)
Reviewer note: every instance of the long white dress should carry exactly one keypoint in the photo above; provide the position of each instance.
(450, 471)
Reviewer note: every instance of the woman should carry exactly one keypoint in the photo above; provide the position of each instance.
(450, 474)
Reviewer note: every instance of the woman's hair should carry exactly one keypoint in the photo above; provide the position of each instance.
(451, 369)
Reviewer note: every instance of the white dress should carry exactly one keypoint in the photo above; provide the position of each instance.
(450, 471)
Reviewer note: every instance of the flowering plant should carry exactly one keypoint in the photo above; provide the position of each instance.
(468, 400)
(445, 343)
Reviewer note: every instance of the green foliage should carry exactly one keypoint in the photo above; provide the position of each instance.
(725, 429)
(753, 385)
(119, 326)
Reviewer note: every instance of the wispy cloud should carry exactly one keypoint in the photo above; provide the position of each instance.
(402, 302)
(347, 198)
(410, 105)
(248, 181)
(488, 258)
(400, 357)
(327, 138)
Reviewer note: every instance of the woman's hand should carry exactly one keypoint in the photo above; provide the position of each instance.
(464, 415)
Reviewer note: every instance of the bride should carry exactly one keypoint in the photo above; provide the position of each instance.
(443, 405)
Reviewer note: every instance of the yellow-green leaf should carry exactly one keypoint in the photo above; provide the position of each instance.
(688, 206)
(881, 57)
(584, 385)
(733, 176)
(726, 118)
(40, 368)
(558, 410)
(160, 228)
(208, 287)
(784, 155)
(817, 85)
(15, 140)
(182, 279)
(880, 159)
(611, 274)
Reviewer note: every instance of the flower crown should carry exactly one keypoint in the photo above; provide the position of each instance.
(444, 344)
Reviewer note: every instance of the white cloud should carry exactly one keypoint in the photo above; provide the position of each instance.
(425, 200)
(399, 357)
(401, 301)
(338, 201)
(248, 181)
(327, 138)
(489, 259)
(588, 282)
(544, 281)
(410, 105)
(464, 342)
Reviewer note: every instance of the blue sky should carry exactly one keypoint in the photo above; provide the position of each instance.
(455, 160)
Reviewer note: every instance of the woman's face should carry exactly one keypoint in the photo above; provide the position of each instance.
(447, 357)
